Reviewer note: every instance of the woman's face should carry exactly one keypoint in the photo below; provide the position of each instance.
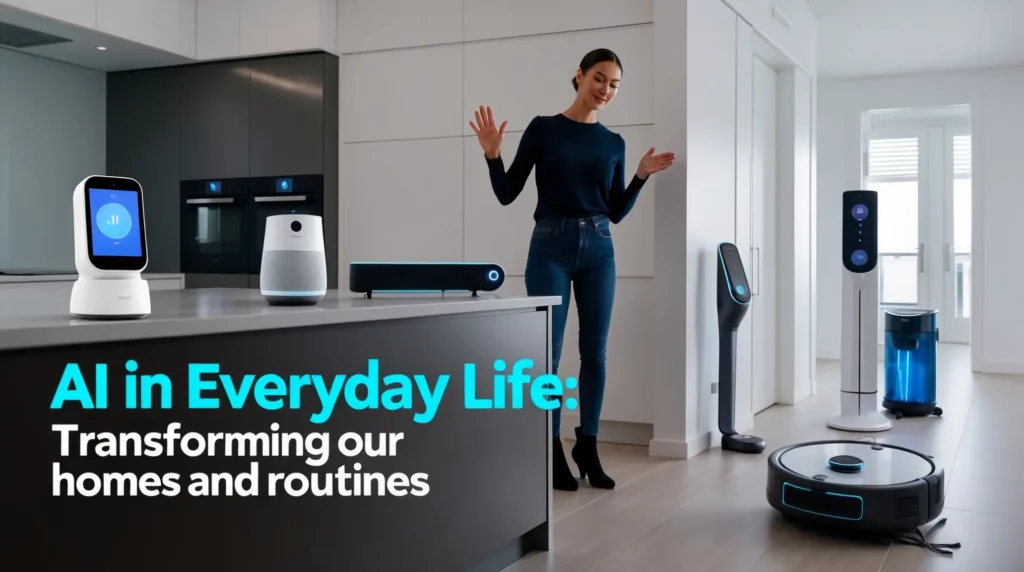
(600, 84)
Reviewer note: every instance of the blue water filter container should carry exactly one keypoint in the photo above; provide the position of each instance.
(911, 337)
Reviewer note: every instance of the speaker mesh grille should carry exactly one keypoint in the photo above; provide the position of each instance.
(293, 271)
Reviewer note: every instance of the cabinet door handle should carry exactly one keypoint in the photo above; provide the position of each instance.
(948, 257)
(920, 258)
(288, 199)
(209, 201)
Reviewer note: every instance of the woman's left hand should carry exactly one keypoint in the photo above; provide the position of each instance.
(651, 163)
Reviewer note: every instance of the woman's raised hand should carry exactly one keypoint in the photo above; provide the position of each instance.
(651, 163)
(490, 137)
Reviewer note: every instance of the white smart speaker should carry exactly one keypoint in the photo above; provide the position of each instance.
(294, 267)
(110, 249)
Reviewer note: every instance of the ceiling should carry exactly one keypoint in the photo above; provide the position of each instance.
(81, 49)
(885, 37)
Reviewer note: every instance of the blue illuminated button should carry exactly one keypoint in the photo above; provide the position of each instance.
(859, 257)
(740, 289)
(214, 186)
(493, 275)
(114, 221)
(860, 212)
(284, 185)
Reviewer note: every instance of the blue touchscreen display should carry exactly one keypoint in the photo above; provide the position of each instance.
(115, 223)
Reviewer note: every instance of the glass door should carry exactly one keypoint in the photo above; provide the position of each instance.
(897, 170)
(920, 166)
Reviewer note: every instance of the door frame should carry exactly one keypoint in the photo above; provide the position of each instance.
(769, 232)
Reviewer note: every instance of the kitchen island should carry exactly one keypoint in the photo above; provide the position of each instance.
(191, 398)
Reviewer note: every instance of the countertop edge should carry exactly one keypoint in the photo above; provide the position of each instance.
(95, 332)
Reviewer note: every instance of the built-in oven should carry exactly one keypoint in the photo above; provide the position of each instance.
(216, 226)
(299, 194)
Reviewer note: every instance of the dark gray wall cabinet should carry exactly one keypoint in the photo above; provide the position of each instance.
(262, 117)
(215, 121)
(143, 122)
(286, 112)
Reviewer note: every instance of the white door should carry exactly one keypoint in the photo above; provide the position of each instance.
(956, 247)
(921, 170)
(762, 231)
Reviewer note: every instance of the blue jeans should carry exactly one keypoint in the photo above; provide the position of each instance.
(577, 256)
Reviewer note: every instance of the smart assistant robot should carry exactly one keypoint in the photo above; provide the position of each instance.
(858, 398)
(110, 250)
(294, 267)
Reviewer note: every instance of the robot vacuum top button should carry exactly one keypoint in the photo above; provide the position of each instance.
(845, 464)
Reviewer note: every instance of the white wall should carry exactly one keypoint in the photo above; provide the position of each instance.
(702, 49)
(997, 120)
(711, 107)
(413, 179)
(52, 135)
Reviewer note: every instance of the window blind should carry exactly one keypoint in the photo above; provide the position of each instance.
(893, 157)
(962, 155)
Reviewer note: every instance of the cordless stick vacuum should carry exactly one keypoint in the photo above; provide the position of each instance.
(733, 302)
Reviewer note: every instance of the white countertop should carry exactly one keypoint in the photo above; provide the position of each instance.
(32, 322)
(17, 279)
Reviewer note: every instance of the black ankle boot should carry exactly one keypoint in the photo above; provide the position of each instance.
(584, 452)
(561, 478)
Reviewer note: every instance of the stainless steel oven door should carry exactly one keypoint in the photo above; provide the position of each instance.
(216, 235)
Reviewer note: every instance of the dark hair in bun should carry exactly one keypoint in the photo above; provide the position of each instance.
(592, 59)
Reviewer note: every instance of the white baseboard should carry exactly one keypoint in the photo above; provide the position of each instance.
(1003, 367)
(745, 423)
(667, 448)
(680, 449)
(622, 432)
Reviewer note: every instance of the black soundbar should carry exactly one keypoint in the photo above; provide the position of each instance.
(369, 277)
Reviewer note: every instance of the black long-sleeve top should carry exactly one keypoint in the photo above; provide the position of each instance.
(580, 170)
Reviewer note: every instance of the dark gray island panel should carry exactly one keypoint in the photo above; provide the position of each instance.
(489, 497)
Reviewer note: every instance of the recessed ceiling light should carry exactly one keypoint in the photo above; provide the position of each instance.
(101, 48)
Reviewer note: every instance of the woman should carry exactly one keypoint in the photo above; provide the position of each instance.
(581, 190)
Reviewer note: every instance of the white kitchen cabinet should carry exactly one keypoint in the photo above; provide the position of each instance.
(273, 26)
(165, 24)
(78, 12)
(491, 19)
(366, 25)
(218, 29)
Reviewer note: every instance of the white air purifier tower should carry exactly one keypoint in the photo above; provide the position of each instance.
(858, 399)
(294, 267)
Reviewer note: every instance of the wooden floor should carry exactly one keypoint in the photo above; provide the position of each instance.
(709, 513)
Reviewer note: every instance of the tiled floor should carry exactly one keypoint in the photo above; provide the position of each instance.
(709, 513)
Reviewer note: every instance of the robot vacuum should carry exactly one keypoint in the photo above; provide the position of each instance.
(856, 485)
